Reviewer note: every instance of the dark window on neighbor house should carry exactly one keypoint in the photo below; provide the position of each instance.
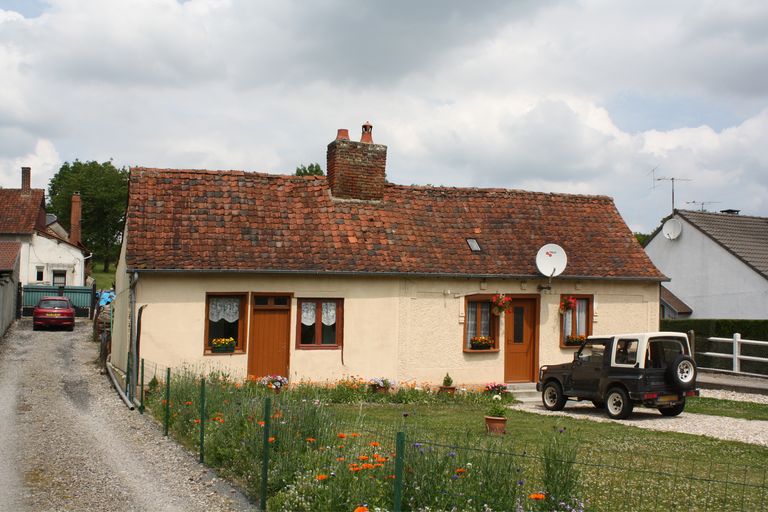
(320, 323)
(225, 318)
(480, 320)
(59, 278)
(39, 275)
(577, 321)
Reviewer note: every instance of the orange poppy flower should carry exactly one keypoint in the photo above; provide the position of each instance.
(361, 508)
(460, 471)
(321, 477)
(261, 423)
(538, 496)
(341, 459)
(311, 439)
(187, 403)
(367, 465)
(362, 457)
(197, 422)
(374, 444)
(341, 436)
(271, 439)
(354, 434)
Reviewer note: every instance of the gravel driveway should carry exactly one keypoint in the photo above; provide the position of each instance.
(67, 442)
(720, 427)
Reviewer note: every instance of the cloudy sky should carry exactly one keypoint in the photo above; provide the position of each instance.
(583, 97)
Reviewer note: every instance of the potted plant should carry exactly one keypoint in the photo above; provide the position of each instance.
(496, 418)
(567, 304)
(220, 345)
(447, 386)
(481, 343)
(380, 385)
(274, 382)
(574, 341)
(500, 303)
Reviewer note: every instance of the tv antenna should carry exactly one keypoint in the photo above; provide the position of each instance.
(702, 204)
(672, 179)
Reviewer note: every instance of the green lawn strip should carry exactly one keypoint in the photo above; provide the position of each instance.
(652, 469)
(729, 408)
(104, 280)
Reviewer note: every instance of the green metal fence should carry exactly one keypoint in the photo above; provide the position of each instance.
(82, 297)
(290, 452)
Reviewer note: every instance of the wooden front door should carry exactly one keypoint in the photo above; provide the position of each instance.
(270, 335)
(520, 335)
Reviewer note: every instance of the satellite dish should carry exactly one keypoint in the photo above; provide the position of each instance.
(551, 260)
(672, 229)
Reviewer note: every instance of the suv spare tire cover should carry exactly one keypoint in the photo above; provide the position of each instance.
(683, 372)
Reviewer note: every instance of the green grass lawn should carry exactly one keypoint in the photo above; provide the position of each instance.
(730, 408)
(104, 280)
(618, 466)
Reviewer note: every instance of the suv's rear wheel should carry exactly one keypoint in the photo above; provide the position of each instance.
(683, 371)
(672, 410)
(552, 396)
(617, 404)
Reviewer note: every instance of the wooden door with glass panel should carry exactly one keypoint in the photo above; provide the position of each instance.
(520, 341)
(270, 335)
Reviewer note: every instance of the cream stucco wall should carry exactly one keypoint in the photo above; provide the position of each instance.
(407, 329)
(121, 313)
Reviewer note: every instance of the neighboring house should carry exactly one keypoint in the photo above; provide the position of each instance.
(717, 263)
(317, 277)
(9, 280)
(46, 257)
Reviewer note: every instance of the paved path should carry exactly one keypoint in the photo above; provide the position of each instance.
(720, 427)
(67, 442)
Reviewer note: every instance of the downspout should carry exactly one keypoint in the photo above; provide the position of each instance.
(130, 377)
(136, 357)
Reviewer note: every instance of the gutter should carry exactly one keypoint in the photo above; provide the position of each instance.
(130, 379)
(112, 376)
(336, 273)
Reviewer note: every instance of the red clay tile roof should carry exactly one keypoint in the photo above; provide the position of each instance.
(9, 253)
(242, 221)
(20, 213)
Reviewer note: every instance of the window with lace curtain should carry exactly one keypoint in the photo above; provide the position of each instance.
(576, 322)
(320, 323)
(479, 321)
(225, 318)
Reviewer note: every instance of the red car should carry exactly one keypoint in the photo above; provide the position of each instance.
(53, 312)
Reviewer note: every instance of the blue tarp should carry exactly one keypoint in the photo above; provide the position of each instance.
(106, 297)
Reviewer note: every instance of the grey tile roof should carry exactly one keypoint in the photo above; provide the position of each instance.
(744, 236)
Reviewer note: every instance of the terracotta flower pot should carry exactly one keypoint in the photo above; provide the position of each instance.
(495, 425)
(450, 390)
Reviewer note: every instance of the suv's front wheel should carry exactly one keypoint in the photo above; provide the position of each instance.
(552, 396)
(617, 404)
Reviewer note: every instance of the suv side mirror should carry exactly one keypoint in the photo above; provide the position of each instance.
(576, 356)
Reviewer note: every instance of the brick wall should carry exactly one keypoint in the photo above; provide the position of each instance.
(356, 170)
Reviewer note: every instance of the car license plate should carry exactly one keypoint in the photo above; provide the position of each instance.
(668, 398)
(52, 314)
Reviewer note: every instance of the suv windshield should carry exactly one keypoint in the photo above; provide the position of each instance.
(53, 304)
(662, 352)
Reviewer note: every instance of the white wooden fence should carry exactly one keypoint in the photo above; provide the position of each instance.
(736, 356)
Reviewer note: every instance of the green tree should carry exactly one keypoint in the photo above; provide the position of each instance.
(103, 191)
(309, 170)
(641, 237)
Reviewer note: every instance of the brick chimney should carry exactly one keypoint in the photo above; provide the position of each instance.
(74, 220)
(26, 180)
(356, 170)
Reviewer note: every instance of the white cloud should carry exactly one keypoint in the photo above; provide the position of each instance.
(500, 94)
(43, 159)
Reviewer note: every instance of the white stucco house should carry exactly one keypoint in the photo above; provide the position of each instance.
(319, 277)
(717, 263)
(47, 256)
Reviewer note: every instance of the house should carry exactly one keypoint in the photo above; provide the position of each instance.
(717, 263)
(9, 279)
(316, 277)
(47, 256)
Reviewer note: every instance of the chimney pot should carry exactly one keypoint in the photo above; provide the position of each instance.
(26, 179)
(367, 136)
(342, 134)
